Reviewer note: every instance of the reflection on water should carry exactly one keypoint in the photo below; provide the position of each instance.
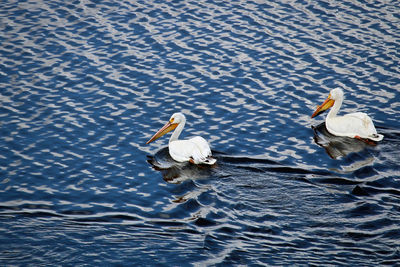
(337, 146)
(177, 172)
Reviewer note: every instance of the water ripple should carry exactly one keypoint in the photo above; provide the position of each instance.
(83, 86)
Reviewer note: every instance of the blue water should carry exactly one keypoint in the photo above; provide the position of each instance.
(84, 84)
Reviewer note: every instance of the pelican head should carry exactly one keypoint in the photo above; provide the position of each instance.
(335, 94)
(173, 122)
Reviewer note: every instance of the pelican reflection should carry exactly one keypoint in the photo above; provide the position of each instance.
(177, 172)
(337, 146)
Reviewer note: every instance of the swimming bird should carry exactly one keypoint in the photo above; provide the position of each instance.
(195, 150)
(355, 125)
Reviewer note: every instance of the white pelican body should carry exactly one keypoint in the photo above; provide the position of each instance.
(355, 125)
(195, 150)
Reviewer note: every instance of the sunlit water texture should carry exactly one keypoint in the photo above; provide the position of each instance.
(84, 84)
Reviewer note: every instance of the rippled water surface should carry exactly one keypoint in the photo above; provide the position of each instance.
(84, 84)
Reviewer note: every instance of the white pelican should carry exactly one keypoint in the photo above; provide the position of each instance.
(355, 125)
(195, 150)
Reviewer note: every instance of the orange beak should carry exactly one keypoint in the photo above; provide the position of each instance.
(169, 126)
(327, 104)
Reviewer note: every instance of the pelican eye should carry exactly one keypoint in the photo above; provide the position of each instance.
(171, 120)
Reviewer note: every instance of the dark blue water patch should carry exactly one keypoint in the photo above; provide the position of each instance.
(359, 191)
(203, 222)
(364, 172)
(365, 209)
(377, 224)
(380, 188)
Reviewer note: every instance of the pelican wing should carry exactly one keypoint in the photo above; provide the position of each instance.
(352, 125)
(196, 149)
